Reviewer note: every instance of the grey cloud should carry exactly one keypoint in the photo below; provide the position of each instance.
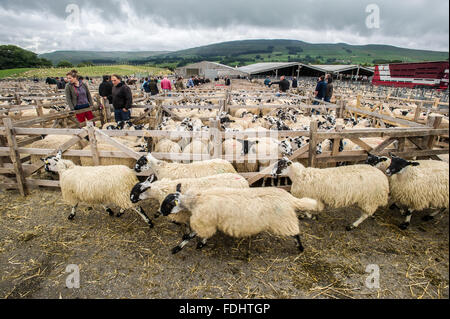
(177, 24)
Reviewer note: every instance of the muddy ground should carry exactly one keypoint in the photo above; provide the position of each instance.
(124, 258)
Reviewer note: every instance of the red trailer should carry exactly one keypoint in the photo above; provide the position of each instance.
(413, 75)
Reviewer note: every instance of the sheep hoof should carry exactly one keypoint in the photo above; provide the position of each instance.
(119, 214)
(175, 250)
(110, 212)
(403, 225)
(200, 245)
(350, 227)
(427, 218)
(186, 237)
(150, 224)
(301, 248)
(71, 217)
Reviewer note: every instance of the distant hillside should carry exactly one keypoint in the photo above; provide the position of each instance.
(251, 51)
(12, 57)
(99, 57)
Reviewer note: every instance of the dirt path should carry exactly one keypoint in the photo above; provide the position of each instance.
(123, 258)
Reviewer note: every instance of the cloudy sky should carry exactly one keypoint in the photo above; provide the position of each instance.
(135, 25)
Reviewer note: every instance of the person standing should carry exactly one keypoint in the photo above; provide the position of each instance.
(105, 91)
(179, 86)
(190, 83)
(78, 96)
(146, 87)
(122, 99)
(329, 90)
(320, 90)
(153, 85)
(166, 85)
(267, 81)
(294, 83)
(283, 84)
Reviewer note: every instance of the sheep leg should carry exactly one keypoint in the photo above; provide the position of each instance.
(144, 216)
(303, 215)
(109, 211)
(120, 213)
(186, 231)
(201, 243)
(180, 246)
(73, 213)
(363, 217)
(406, 223)
(431, 216)
(299, 243)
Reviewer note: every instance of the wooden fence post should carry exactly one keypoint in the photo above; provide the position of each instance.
(417, 113)
(215, 137)
(435, 122)
(15, 156)
(93, 142)
(312, 143)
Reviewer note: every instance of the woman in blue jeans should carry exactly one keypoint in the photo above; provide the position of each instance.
(122, 99)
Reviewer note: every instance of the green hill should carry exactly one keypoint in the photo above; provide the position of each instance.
(99, 57)
(251, 51)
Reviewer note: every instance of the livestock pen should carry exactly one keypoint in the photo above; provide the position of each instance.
(123, 258)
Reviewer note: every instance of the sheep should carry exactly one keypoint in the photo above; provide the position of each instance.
(163, 169)
(418, 187)
(54, 142)
(95, 185)
(383, 162)
(358, 185)
(198, 147)
(105, 161)
(160, 189)
(239, 212)
(167, 146)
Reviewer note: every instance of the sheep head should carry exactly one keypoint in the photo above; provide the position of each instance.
(398, 165)
(172, 203)
(138, 192)
(281, 167)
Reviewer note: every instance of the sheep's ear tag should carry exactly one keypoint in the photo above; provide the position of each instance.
(176, 202)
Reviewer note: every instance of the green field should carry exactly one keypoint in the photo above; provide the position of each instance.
(84, 71)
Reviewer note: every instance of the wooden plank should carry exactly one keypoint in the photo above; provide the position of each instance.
(362, 144)
(383, 145)
(386, 118)
(435, 122)
(93, 144)
(131, 153)
(216, 138)
(15, 157)
(313, 141)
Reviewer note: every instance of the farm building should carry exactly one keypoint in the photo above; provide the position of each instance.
(209, 70)
(352, 69)
(277, 69)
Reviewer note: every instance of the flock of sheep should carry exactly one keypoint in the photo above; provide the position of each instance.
(210, 195)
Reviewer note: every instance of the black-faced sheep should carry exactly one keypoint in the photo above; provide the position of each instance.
(358, 185)
(239, 212)
(99, 185)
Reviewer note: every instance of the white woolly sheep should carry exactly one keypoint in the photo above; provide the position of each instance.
(239, 212)
(362, 186)
(160, 189)
(54, 142)
(100, 185)
(418, 187)
(163, 169)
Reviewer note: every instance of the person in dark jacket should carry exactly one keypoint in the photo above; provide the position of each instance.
(283, 84)
(294, 83)
(153, 85)
(329, 90)
(321, 89)
(122, 99)
(105, 89)
(78, 96)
